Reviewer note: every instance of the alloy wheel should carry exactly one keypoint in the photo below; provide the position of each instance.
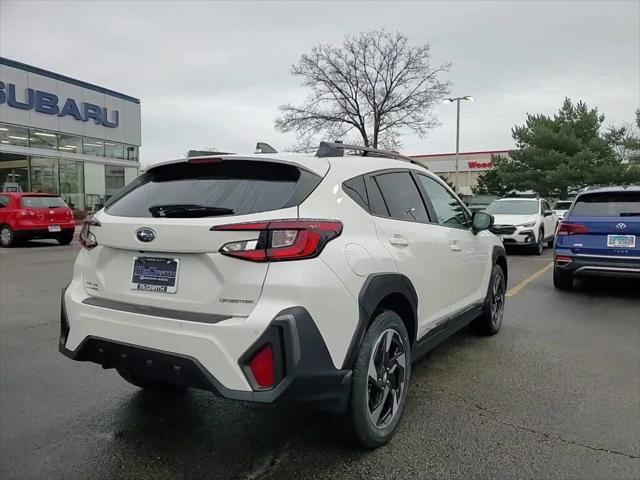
(5, 236)
(386, 378)
(497, 300)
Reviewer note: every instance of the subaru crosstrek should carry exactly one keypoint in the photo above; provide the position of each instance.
(283, 277)
(599, 236)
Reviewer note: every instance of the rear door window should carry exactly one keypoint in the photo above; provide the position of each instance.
(234, 187)
(608, 204)
(401, 197)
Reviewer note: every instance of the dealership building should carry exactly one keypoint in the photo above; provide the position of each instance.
(470, 166)
(65, 136)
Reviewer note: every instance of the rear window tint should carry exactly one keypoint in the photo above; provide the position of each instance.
(612, 204)
(225, 188)
(42, 202)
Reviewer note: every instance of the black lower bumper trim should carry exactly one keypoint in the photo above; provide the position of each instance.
(309, 374)
(601, 266)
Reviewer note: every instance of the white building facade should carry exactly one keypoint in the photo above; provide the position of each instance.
(65, 136)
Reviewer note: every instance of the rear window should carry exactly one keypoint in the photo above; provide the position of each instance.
(562, 205)
(213, 189)
(611, 204)
(42, 202)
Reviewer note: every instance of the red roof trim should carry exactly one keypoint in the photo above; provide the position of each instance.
(461, 153)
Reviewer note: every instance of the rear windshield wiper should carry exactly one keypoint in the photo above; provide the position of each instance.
(188, 211)
(630, 214)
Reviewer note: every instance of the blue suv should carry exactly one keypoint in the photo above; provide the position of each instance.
(599, 236)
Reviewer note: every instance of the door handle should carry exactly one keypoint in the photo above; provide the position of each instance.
(399, 241)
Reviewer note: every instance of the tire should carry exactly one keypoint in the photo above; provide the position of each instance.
(490, 321)
(373, 415)
(538, 248)
(146, 384)
(562, 280)
(65, 238)
(7, 236)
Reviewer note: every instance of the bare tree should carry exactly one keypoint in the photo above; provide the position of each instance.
(375, 86)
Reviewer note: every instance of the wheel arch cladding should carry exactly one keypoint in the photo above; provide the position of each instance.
(499, 257)
(392, 291)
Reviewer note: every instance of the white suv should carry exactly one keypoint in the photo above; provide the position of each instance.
(524, 221)
(283, 277)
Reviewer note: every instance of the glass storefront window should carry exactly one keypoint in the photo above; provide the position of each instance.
(43, 140)
(114, 180)
(113, 150)
(44, 175)
(72, 184)
(12, 135)
(14, 173)
(91, 146)
(130, 174)
(94, 186)
(131, 152)
(69, 143)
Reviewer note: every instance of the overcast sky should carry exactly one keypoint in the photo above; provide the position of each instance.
(212, 74)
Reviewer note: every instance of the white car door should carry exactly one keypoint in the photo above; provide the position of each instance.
(550, 220)
(470, 255)
(421, 249)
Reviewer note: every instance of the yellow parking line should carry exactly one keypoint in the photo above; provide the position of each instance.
(528, 280)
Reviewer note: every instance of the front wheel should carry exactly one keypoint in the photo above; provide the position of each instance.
(7, 237)
(380, 382)
(538, 248)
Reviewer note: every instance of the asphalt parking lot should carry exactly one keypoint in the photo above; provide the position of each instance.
(555, 395)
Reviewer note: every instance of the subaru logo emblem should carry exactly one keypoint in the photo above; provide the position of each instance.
(145, 234)
(621, 227)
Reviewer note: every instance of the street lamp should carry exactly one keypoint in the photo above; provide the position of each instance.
(457, 100)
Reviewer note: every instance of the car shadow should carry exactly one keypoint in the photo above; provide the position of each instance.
(607, 287)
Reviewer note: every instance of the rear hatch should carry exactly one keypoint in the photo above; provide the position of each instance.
(47, 211)
(604, 224)
(155, 243)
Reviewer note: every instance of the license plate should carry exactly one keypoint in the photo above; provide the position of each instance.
(54, 228)
(624, 241)
(154, 274)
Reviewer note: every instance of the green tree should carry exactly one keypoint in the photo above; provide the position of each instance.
(490, 182)
(556, 154)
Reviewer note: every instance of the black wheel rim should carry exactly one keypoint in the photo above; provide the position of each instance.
(497, 300)
(386, 378)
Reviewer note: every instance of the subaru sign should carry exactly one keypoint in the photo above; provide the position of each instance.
(50, 104)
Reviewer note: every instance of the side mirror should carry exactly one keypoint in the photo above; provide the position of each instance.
(547, 213)
(481, 221)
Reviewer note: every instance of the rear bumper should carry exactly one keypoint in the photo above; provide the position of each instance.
(304, 366)
(39, 232)
(599, 266)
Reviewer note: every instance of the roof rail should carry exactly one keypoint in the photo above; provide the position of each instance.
(336, 149)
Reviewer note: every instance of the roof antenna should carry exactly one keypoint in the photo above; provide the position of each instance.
(262, 147)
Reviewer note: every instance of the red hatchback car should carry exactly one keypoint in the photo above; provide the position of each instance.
(25, 216)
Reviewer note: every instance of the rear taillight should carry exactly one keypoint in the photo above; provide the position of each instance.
(571, 229)
(281, 240)
(87, 238)
(262, 367)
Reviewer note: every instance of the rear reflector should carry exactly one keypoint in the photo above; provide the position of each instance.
(263, 368)
(571, 229)
(281, 240)
(562, 260)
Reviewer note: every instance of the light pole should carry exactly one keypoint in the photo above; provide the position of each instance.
(457, 100)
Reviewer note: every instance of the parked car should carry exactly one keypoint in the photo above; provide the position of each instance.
(599, 236)
(526, 222)
(283, 276)
(561, 207)
(479, 203)
(25, 216)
